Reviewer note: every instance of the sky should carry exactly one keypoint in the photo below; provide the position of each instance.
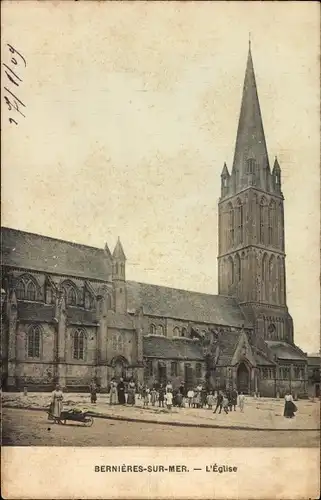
(131, 110)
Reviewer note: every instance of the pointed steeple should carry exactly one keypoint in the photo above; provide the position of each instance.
(107, 251)
(250, 148)
(225, 172)
(118, 253)
(276, 166)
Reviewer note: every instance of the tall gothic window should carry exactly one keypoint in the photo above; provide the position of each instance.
(231, 270)
(26, 288)
(262, 220)
(79, 344)
(198, 370)
(33, 340)
(20, 290)
(231, 224)
(174, 369)
(160, 330)
(31, 291)
(152, 329)
(70, 293)
(272, 222)
(176, 332)
(118, 342)
(239, 221)
(265, 277)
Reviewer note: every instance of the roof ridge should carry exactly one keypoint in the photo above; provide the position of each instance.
(28, 233)
(183, 290)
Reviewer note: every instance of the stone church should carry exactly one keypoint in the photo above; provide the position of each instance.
(69, 315)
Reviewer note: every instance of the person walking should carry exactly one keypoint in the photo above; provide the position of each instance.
(225, 403)
(210, 400)
(241, 401)
(289, 406)
(219, 402)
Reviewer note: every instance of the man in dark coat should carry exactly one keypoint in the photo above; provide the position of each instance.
(121, 392)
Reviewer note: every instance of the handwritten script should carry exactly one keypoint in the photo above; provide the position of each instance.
(14, 70)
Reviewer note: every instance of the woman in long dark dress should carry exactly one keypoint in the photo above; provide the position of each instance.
(121, 392)
(289, 406)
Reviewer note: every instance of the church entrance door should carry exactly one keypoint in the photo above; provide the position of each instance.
(162, 373)
(120, 365)
(243, 379)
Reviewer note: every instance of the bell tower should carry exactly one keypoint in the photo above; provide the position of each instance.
(251, 259)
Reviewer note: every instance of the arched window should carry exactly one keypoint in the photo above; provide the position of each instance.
(26, 288)
(33, 341)
(262, 220)
(184, 332)
(198, 370)
(20, 290)
(272, 222)
(118, 342)
(239, 222)
(31, 291)
(176, 332)
(265, 277)
(272, 277)
(231, 224)
(152, 329)
(174, 369)
(230, 270)
(70, 293)
(237, 268)
(79, 344)
(160, 330)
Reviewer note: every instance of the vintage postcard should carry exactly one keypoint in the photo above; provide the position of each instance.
(160, 295)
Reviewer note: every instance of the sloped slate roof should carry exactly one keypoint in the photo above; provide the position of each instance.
(228, 343)
(35, 311)
(191, 306)
(282, 350)
(262, 360)
(41, 253)
(163, 347)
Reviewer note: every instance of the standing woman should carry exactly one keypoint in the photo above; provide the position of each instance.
(56, 401)
(113, 393)
(131, 393)
(289, 406)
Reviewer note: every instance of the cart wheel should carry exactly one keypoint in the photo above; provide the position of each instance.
(63, 422)
(89, 422)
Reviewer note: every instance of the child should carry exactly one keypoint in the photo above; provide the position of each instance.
(190, 395)
(169, 400)
(210, 400)
(153, 395)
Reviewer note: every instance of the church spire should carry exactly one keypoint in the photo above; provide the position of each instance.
(250, 155)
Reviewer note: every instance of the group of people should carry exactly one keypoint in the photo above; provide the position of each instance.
(164, 395)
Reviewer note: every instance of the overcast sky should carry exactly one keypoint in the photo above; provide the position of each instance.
(131, 111)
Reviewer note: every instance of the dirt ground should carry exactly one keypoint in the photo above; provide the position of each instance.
(31, 428)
